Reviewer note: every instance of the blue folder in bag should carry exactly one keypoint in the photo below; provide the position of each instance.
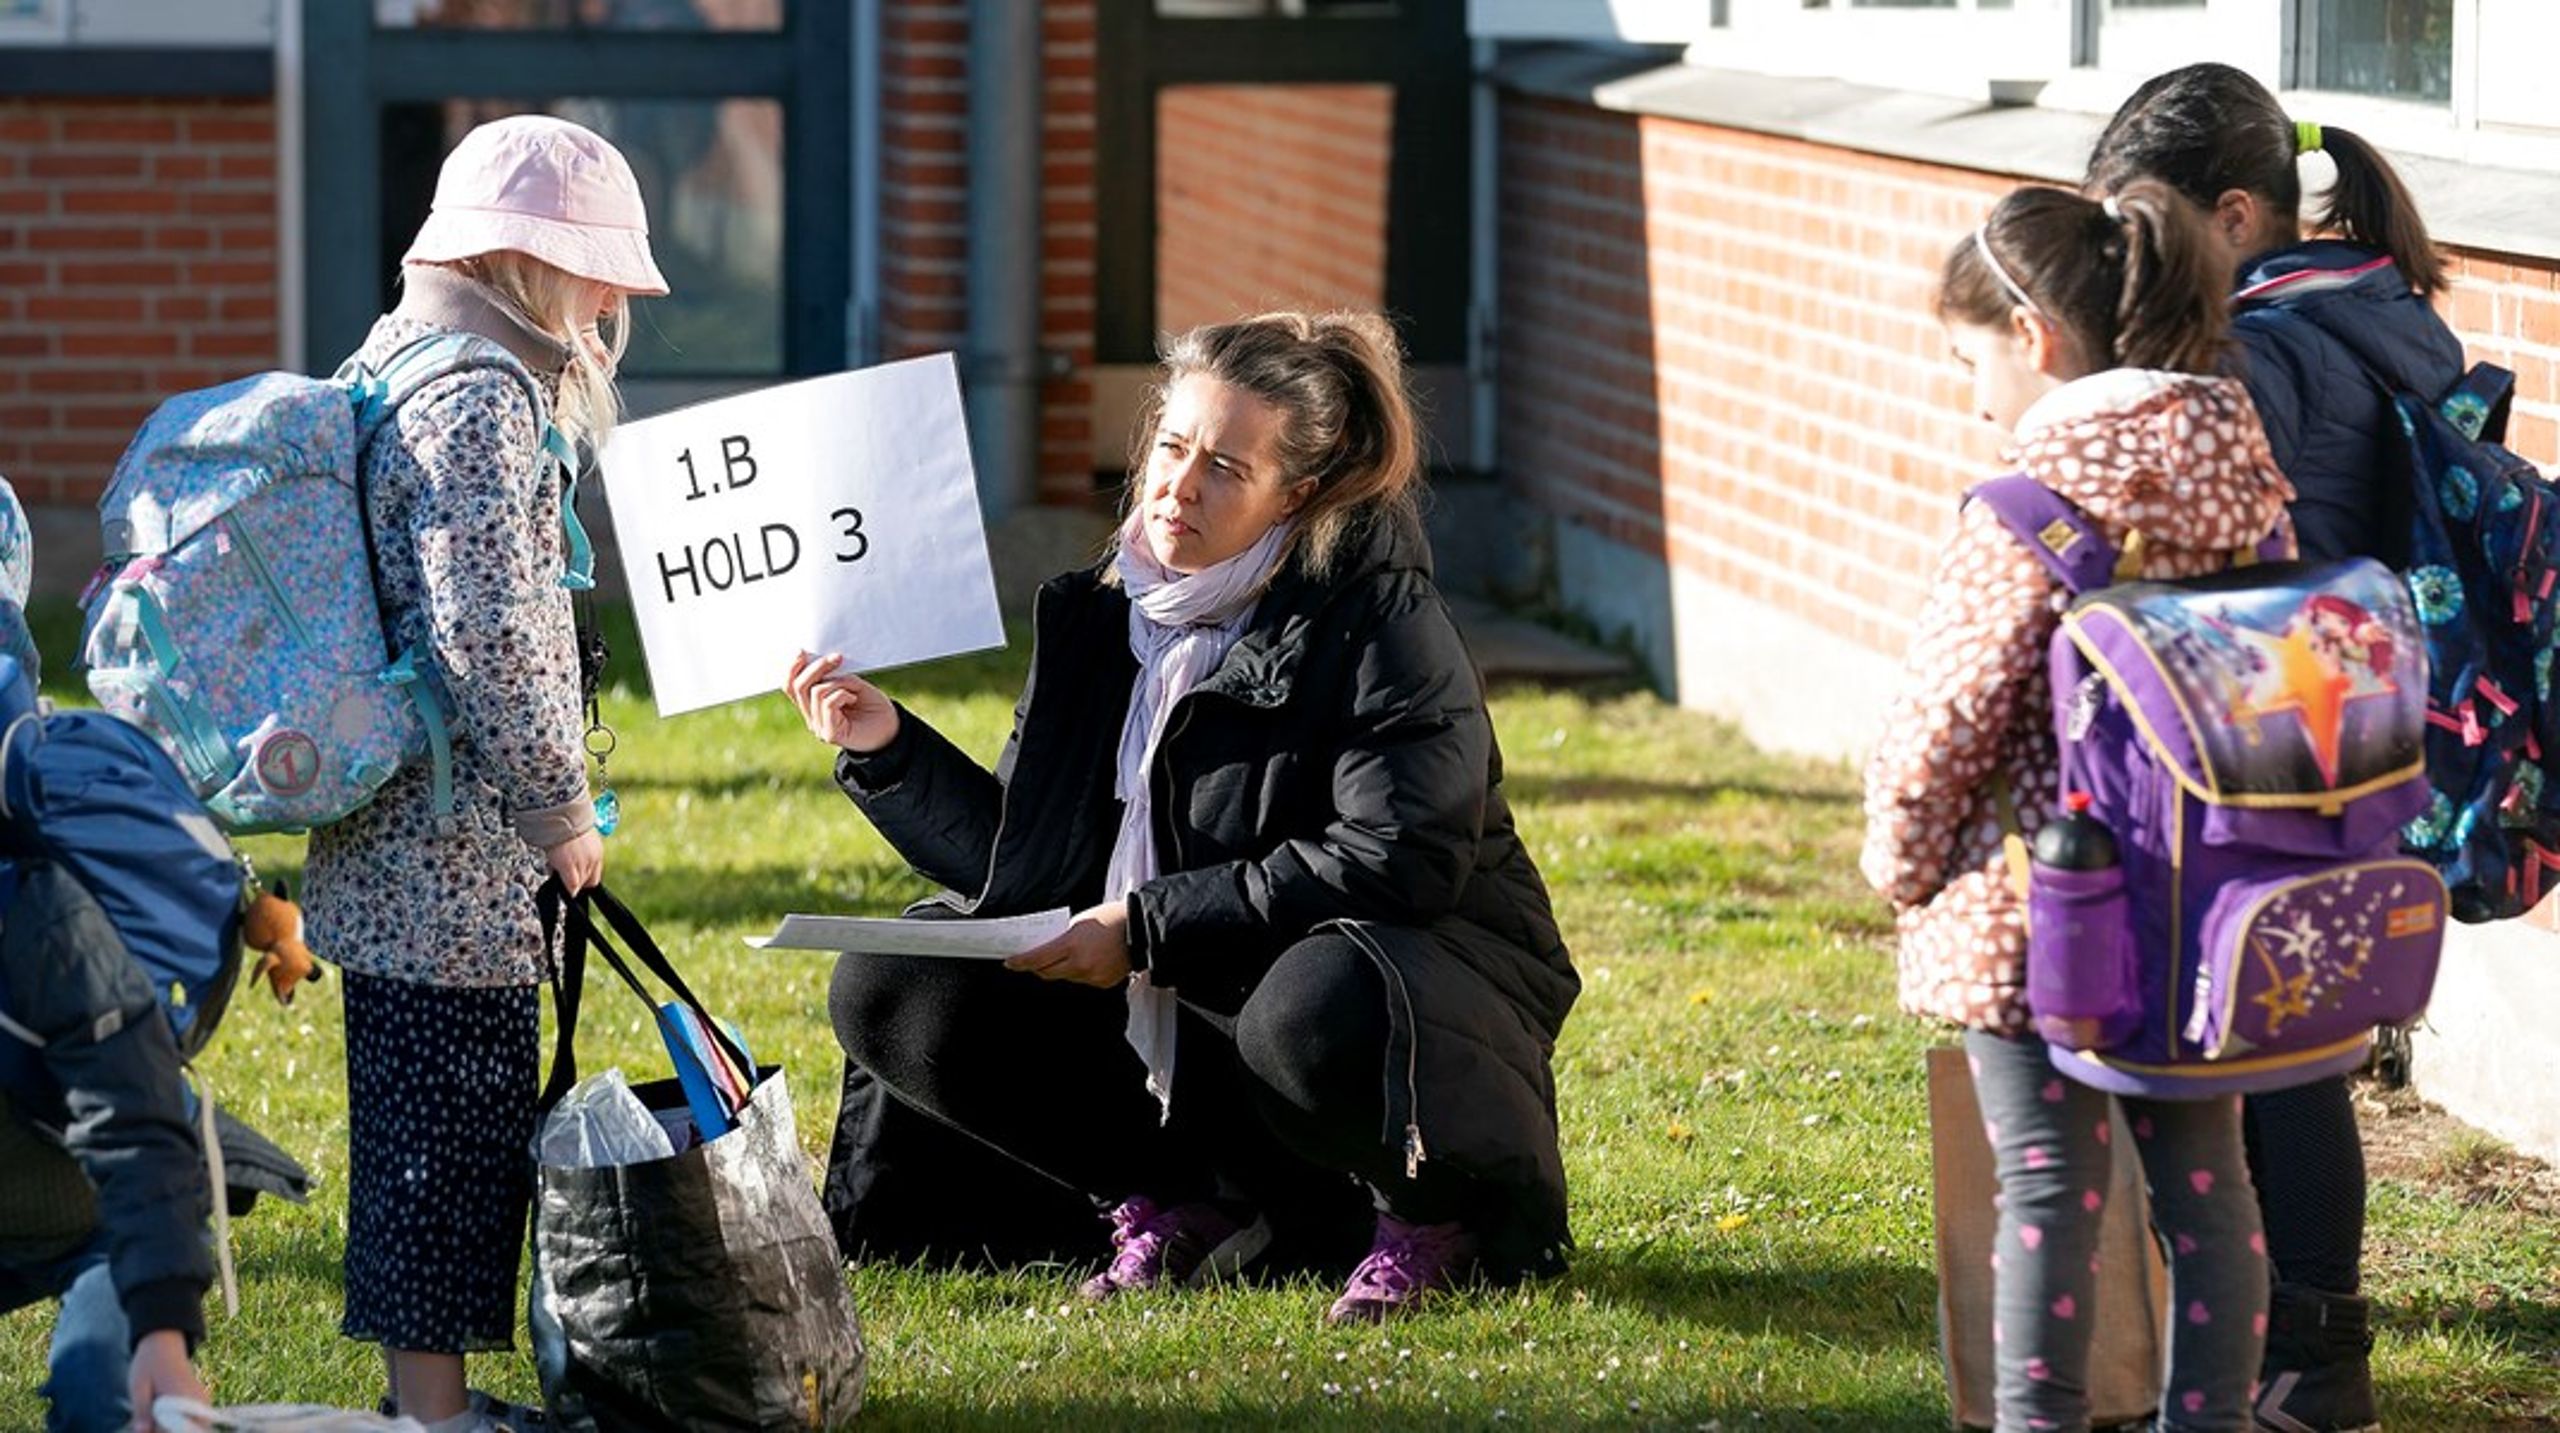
(715, 1086)
(713, 1070)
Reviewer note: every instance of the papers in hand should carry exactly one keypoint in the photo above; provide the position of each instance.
(992, 939)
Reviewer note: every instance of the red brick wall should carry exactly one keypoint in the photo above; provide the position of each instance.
(925, 207)
(137, 259)
(1717, 350)
(1068, 241)
(924, 182)
(1270, 196)
(2508, 313)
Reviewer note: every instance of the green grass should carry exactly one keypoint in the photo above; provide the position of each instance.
(1742, 1109)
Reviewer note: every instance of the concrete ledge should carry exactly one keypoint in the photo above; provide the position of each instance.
(2484, 1051)
(1790, 685)
(2472, 206)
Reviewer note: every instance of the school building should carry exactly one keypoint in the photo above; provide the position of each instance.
(1663, 265)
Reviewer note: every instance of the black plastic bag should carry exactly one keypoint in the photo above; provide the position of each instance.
(695, 1292)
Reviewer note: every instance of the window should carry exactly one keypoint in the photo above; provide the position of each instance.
(2140, 36)
(1270, 197)
(2399, 49)
(711, 171)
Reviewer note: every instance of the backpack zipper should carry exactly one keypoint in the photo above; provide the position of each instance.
(266, 578)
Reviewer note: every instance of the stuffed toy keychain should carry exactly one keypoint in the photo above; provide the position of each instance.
(272, 926)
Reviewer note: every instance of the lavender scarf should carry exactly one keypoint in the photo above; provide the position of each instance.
(1180, 629)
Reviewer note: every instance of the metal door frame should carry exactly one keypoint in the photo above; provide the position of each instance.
(352, 70)
(1419, 47)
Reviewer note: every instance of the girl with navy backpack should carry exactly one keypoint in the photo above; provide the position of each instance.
(2324, 328)
(2092, 333)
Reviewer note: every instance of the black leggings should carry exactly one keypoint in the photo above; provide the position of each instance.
(1287, 1085)
(2308, 1160)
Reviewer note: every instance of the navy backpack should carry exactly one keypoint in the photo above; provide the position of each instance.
(2483, 561)
(97, 797)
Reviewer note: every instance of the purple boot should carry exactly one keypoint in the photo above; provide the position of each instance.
(1407, 1263)
(1188, 1244)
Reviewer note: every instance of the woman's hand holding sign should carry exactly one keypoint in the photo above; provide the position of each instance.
(841, 709)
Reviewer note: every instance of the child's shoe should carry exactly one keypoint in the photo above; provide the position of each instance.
(1187, 1244)
(1407, 1263)
(2318, 1374)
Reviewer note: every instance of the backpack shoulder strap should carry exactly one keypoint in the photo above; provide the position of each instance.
(379, 391)
(381, 388)
(2052, 528)
(2478, 402)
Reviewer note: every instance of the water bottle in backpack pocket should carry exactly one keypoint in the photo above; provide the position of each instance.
(2082, 981)
(2250, 744)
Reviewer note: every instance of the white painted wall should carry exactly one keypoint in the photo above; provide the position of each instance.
(1790, 685)
(2486, 1051)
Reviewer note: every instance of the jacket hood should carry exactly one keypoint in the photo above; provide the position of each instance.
(2356, 296)
(2179, 457)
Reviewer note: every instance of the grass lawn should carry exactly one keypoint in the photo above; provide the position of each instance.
(1743, 1122)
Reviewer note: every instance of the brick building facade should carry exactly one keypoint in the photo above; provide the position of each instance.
(137, 259)
(1693, 302)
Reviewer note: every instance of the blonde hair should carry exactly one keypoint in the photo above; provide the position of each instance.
(554, 302)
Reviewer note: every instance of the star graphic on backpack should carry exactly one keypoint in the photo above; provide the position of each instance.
(2287, 997)
(2323, 660)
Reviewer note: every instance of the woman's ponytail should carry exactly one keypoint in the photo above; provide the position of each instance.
(2370, 205)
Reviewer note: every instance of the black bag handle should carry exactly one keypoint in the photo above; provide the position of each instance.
(570, 921)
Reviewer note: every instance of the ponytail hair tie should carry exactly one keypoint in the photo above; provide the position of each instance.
(2306, 137)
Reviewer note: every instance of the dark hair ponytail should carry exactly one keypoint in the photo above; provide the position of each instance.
(2370, 206)
(2207, 129)
(2131, 280)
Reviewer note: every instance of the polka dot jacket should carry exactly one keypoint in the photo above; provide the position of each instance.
(2179, 457)
(468, 557)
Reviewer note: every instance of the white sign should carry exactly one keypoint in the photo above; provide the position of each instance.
(835, 515)
(989, 938)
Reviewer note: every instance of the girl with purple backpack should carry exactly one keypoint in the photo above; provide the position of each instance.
(2092, 332)
(2321, 326)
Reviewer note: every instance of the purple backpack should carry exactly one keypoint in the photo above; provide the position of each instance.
(2253, 741)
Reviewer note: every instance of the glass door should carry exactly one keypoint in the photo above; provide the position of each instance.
(736, 116)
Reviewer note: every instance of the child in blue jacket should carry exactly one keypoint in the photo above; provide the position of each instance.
(103, 1193)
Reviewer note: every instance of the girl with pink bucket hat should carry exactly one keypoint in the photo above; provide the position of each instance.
(537, 242)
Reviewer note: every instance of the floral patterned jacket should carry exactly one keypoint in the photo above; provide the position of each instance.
(468, 556)
(2177, 456)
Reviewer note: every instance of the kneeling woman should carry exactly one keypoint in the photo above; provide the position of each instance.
(1255, 758)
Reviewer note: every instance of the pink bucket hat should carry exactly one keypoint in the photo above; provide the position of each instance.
(545, 187)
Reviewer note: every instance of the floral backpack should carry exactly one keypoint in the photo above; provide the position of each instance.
(235, 618)
(2482, 550)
